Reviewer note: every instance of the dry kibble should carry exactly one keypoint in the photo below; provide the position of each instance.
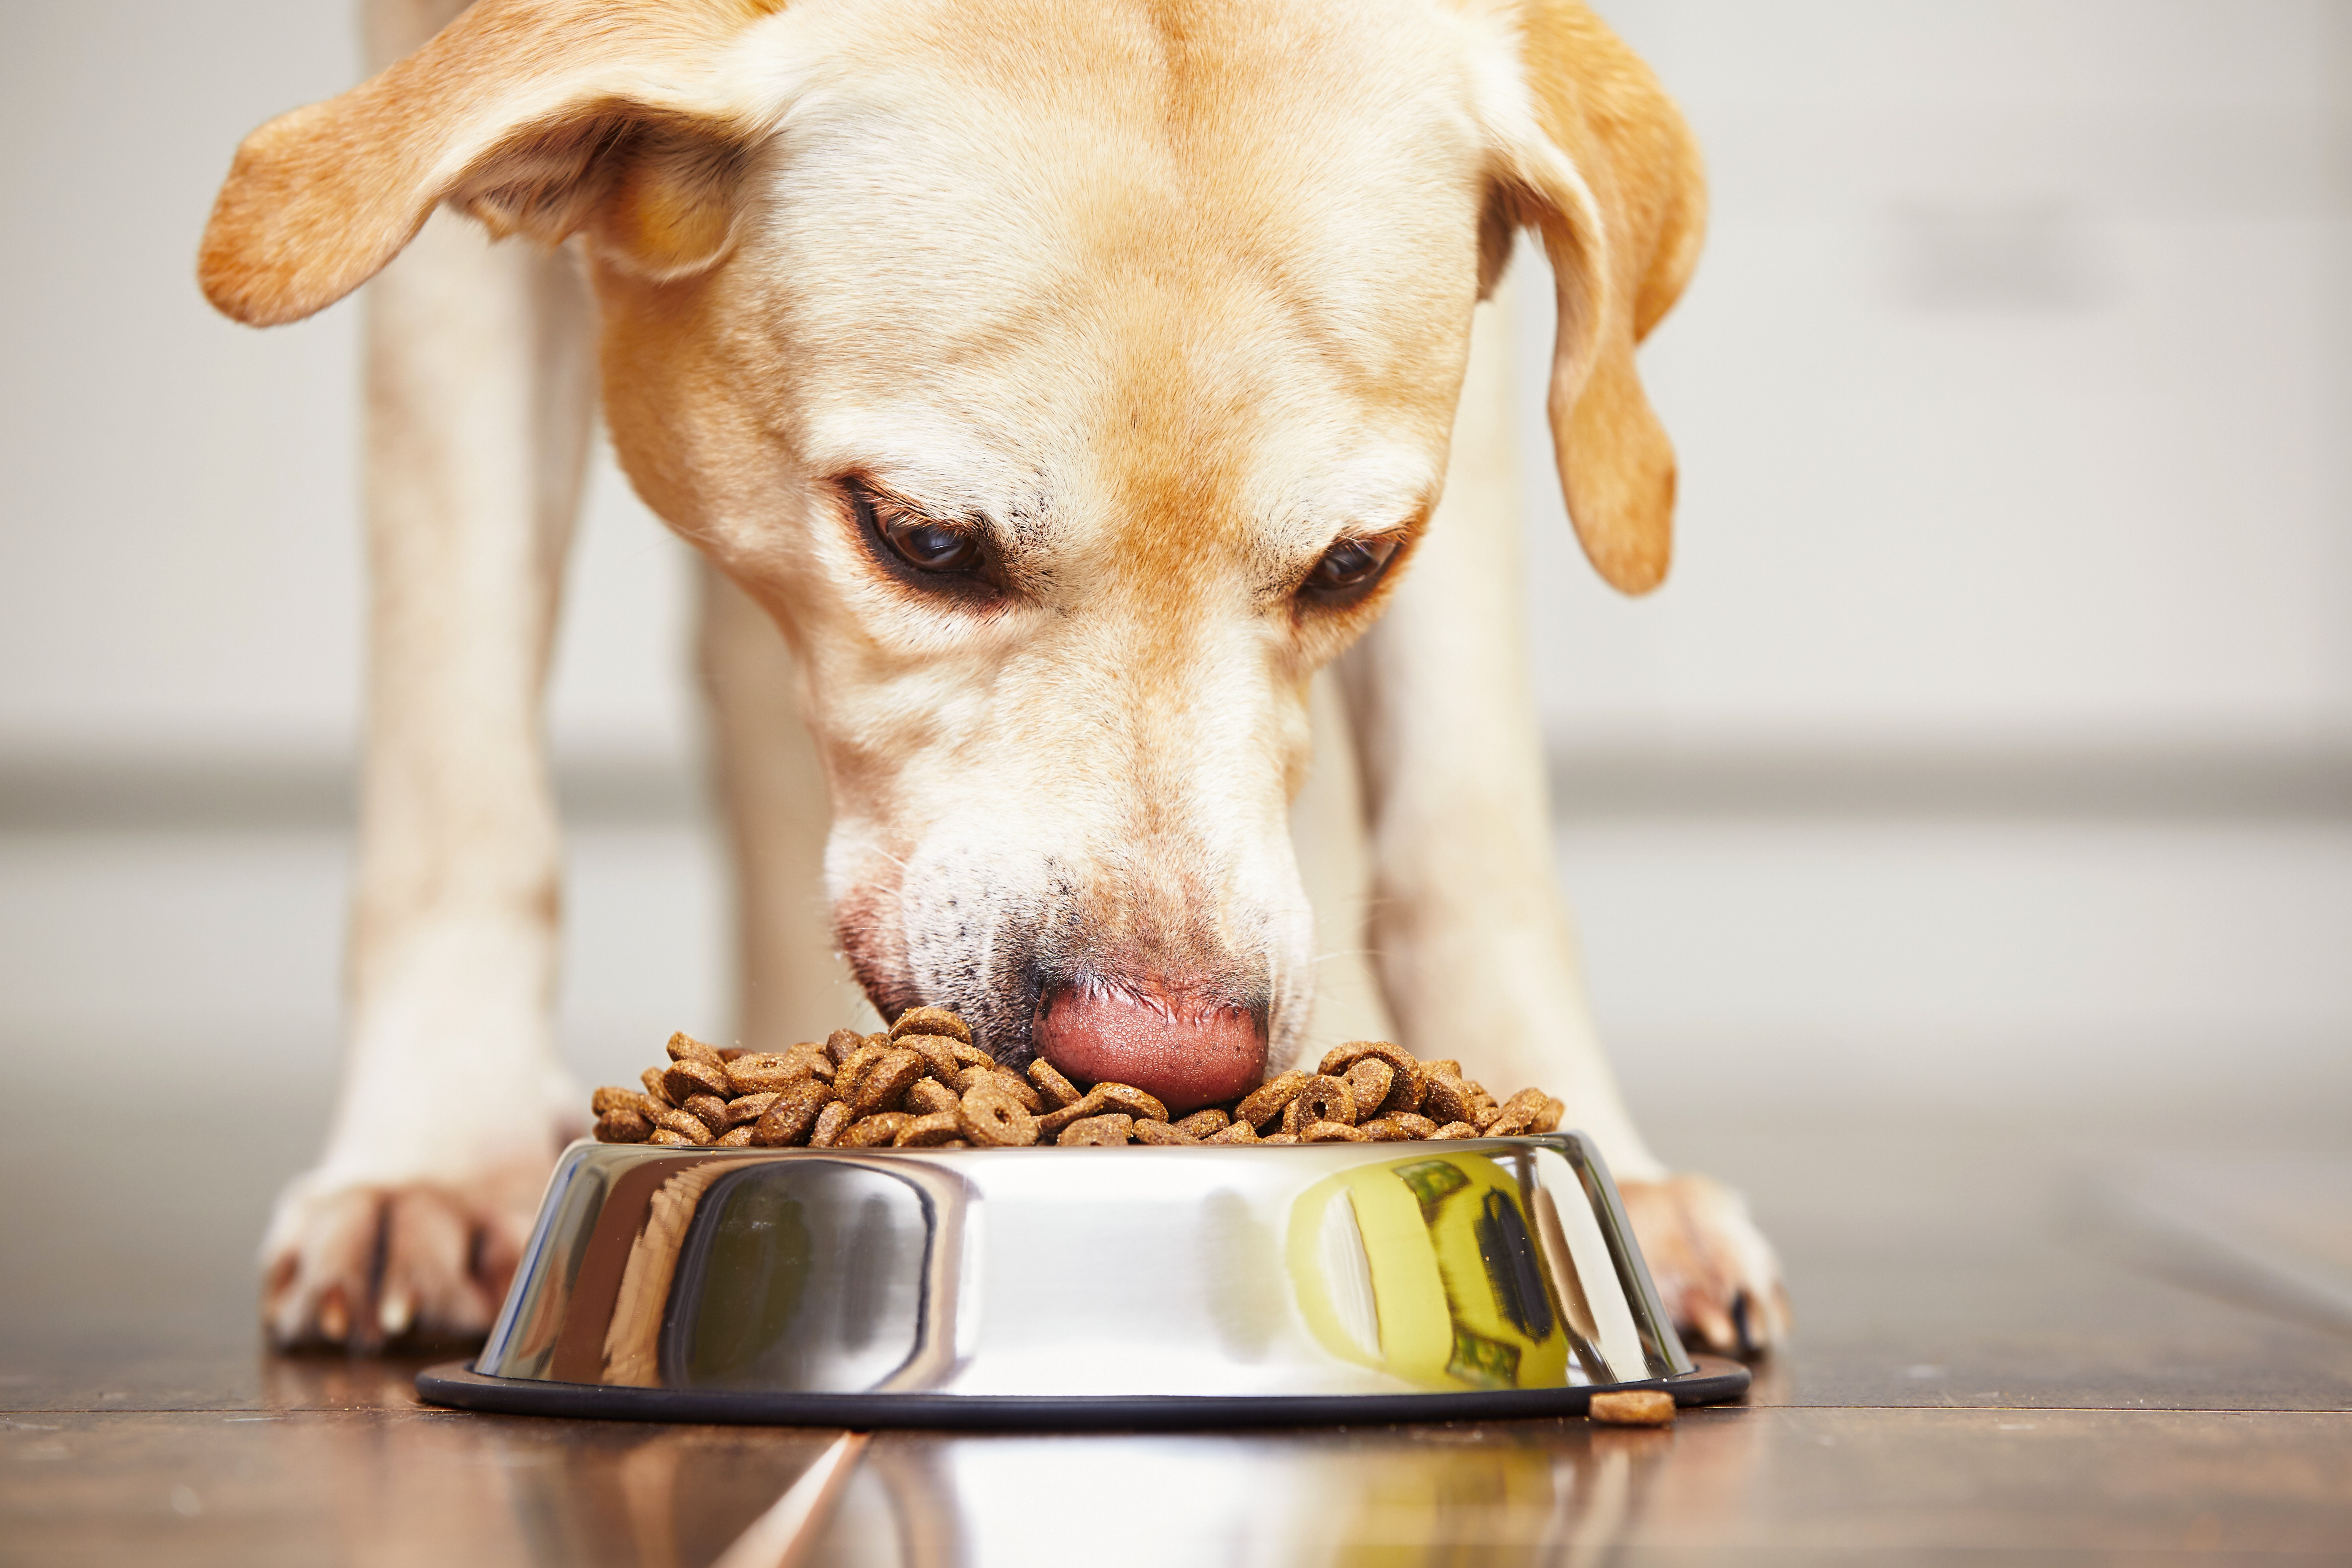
(686, 1079)
(1519, 1114)
(1053, 1085)
(931, 1021)
(1105, 1131)
(605, 1100)
(831, 1123)
(1265, 1102)
(873, 1132)
(763, 1072)
(926, 1084)
(685, 1123)
(748, 1108)
(884, 1081)
(1012, 1082)
(685, 1047)
(929, 1096)
(622, 1125)
(1370, 1081)
(992, 1118)
(1323, 1098)
(1633, 1407)
(937, 1060)
(1132, 1100)
(1448, 1099)
(927, 1131)
(788, 1117)
(1408, 1079)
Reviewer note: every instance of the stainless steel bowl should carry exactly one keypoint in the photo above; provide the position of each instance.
(1080, 1287)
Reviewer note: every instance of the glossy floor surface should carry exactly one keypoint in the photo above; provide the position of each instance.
(2115, 1338)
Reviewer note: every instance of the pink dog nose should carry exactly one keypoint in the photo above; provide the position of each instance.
(1187, 1059)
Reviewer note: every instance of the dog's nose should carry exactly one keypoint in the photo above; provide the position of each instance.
(1186, 1056)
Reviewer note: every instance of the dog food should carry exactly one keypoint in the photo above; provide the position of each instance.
(1633, 1407)
(925, 1084)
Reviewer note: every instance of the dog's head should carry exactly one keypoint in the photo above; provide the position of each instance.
(1070, 378)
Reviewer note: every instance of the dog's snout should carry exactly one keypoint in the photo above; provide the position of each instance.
(1187, 1055)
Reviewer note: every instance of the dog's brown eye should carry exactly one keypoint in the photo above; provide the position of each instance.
(929, 546)
(1351, 566)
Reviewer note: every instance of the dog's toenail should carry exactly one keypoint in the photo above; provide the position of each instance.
(1740, 1323)
(397, 1312)
(334, 1315)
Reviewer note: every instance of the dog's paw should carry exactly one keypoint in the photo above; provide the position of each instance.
(362, 1266)
(1715, 1271)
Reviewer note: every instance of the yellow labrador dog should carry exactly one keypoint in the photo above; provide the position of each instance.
(1071, 381)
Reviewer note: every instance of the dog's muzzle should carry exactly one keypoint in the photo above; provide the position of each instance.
(1184, 1054)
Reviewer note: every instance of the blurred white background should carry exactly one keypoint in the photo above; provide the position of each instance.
(1992, 740)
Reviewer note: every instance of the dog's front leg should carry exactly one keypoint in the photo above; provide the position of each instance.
(452, 1099)
(1477, 951)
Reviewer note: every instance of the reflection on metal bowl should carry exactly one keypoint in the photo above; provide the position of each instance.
(1080, 1287)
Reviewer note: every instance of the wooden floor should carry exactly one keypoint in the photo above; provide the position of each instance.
(2120, 1339)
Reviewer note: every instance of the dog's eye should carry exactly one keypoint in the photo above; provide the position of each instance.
(929, 546)
(1351, 566)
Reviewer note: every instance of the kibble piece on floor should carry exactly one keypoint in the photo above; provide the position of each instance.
(1633, 1407)
(1106, 1131)
(931, 1021)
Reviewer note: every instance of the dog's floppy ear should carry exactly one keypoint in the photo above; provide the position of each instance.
(1609, 175)
(541, 117)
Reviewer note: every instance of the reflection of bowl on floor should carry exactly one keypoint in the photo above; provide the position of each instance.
(1345, 1281)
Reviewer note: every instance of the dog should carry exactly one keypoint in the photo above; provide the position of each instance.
(1070, 382)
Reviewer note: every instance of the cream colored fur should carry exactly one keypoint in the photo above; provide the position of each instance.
(1165, 302)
